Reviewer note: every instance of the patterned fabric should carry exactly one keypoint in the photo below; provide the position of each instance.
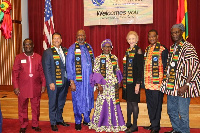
(188, 61)
(148, 78)
(128, 61)
(78, 63)
(107, 114)
(57, 60)
(110, 77)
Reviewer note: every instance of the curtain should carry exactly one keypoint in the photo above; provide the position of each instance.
(69, 18)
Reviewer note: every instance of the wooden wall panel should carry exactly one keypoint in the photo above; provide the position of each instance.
(9, 48)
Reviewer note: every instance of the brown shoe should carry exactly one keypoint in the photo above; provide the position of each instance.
(22, 130)
(37, 129)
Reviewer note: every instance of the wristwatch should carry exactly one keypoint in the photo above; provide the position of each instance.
(188, 84)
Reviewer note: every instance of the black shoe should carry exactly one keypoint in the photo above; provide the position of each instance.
(54, 128)
(172, 131)
(22, 130)
(148, 127)
(85, 123)
(37, 129)
(128, 126)
(63, 124)
(130, 130)
(154, 131)
(78, 127)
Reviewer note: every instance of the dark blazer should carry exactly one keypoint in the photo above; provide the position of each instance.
(49, 67)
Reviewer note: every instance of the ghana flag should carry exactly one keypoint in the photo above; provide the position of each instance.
(182, 16)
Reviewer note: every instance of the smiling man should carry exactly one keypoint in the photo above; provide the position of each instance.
(182, 80)
(53, 62)
(80, 60)
(29, 82)
(155, 58)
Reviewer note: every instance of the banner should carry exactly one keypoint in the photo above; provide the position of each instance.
(113, 12)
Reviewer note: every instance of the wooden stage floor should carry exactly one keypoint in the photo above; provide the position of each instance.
(9, 108)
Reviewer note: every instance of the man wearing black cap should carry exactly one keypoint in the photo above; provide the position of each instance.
(182, 80)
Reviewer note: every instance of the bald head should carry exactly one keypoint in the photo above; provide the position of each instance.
(80, 36)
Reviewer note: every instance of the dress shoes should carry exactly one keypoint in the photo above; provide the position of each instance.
(128, 126)
(172, 131)
(22, 130)
(54, 128)
(37, 129)
(154, 131)
(63, 124)
(78, 127)
(148, 127)
(85, 123)
(130, 130)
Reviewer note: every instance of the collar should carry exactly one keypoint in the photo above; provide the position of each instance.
(30, 55)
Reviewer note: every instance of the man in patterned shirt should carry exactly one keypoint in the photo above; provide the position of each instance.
(182, 80)
(155, 58)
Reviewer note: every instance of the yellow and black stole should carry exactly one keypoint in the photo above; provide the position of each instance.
(155, 60)
(128, 66)
(57, 62)
(78, 65)
(103, 72)
(172, 63)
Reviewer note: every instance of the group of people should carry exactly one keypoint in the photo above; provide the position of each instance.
(176, 73)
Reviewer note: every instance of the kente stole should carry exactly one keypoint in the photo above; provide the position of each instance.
(128, 66)
(103, 72)
(78, 65)
(57, 62)
(156, 62)
(172, 63)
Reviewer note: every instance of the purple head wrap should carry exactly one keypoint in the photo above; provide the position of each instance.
(106, 41)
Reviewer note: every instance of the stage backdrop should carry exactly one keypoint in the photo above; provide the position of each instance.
(69, 17)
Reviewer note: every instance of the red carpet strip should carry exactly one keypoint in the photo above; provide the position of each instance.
(13, 126)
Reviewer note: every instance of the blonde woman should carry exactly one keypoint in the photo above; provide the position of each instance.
(132, 77)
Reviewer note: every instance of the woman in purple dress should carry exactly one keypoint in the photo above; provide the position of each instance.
(107, 75)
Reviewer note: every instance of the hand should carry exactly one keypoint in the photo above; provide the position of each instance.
(73, 86)
(43, 89)
(182, 90)
(100, 88)
(52, 86)
(137, 88)
(16, 91)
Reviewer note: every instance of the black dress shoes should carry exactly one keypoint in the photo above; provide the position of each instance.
(37, 129)
(130, 130)
(78, 127)
(63, 124)
(154, 131)
(54, 128)
(172, 131)
(148, 127)
(85, 123)
(22, 130)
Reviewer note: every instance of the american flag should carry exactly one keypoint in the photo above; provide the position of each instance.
(48, 25)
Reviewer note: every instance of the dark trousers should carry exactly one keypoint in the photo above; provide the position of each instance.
(154, 99)
(57, 100)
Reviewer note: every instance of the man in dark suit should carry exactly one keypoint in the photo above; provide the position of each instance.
(53, 62)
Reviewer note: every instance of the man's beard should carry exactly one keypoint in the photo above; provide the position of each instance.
(80, 40)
